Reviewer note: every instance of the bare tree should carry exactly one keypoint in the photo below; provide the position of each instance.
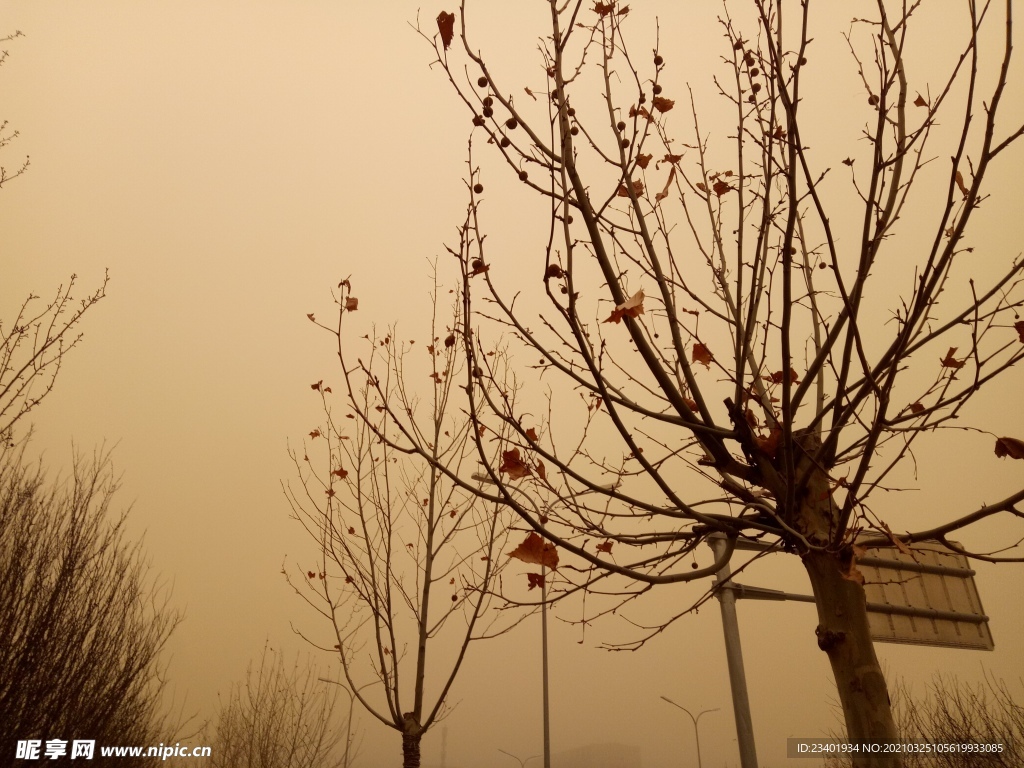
(283, 716)
(407, 556)
(83, 622)
(736, 340)
(34, 343)
(984, 716)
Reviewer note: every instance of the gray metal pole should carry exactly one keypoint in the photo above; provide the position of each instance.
(734, 655)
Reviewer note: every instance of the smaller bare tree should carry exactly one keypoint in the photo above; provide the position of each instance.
(283, 716)
(34, 343)
(407, 558)
(33, 346)
(83, 624)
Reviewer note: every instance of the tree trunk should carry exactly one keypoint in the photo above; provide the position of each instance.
(843, 635)
(411, 750)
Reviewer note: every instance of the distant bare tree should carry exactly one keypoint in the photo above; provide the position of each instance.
(955, 713)
(32, 349)
(33, 344)
(82, 622)
(407, 558)
(282, 716)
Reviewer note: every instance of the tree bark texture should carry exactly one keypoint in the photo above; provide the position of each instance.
(411, 750)
(844, 636)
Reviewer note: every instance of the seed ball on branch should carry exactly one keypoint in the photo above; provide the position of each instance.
(478, 121)
(658, 61)
(511, 123)
(872, 100)
(574, 130)
(482, 82)
(570, 112)
(504, 142)
(620, 125)
(478, 188)
(488, 111)
(488, 101)
(523, 175)
(624, 143)
(656, 89)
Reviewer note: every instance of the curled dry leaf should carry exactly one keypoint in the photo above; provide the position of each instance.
(1019, 328)
(638, 189)
(916, 407)
(702, 355)
(960, 183)
(450, 340)
(315, 434)
(535, 551)
(920, 102)
(531, 435)
(633, 307)
(605, 546)
(513, 465)
(778, 376)
(644, 160)
(534, 580)
(340, 473)
(949, 361)
(668, 183)
(446, 26)
(662, 104)
(1010, 446)
(721, 188)
(603, 9)
(554, 271)
(641, 111)
(351, 304)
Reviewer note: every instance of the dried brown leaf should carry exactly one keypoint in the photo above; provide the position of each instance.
(446, 26)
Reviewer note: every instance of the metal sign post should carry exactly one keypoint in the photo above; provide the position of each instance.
(925, 598)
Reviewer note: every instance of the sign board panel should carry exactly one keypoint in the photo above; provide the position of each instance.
(927, 598)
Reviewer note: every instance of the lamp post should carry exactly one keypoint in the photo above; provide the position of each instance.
(482, 479)
(696, 733)
(522, 763)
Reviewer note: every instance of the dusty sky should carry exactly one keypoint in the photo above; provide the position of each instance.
(229, 162)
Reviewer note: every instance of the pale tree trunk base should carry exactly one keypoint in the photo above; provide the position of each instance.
(844, 636)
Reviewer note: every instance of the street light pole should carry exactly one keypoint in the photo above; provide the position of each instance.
(522, 763)
(696, 733)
